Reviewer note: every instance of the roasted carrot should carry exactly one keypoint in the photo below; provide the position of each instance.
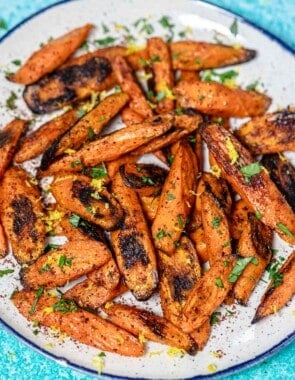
(147, 325)
(97, 332)
(3, 242)
(87, 198)
(282, 173)
(269, 133)
(208, 294)
(125, 77)
(89, 126)
(159, 55)
(9, 141)
(22, 215)
(114, 145)
(196, 55)
(133, 245)
(178, 275)
(251, 181)
(255, 241)
(201, 334)
(279, 292)
(64, 264)
(216, 99)
(129, 116)
(176, 200)
(51, 56)
(56, 90)
(150, 205)
(38, 141)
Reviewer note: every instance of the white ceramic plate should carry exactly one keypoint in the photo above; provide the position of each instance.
(234, 343)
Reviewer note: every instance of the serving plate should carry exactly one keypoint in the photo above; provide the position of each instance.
(234, 342)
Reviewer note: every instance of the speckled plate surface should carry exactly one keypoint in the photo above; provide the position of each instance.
(234, 342)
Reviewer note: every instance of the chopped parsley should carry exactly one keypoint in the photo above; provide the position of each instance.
(17, 62)
(161, 234)
(216, 222)
(74, 219)
(81, 112)
(144, 26)
(234, 28)
(274, 274)
(45, 268)
(147, 180)
(240, 266)
(4, 272)
(90, 133)
(213, 76)
(250, 170)
(64, 261)
(215, 317)
(258, 215)
(105, 41)
(65, 305)
(38, 295)
(105, 29)
(50, 247)
(252, 86)
(75, 163)
(98, 172)
(160, 96)
(10, 101)
(166, 23)
(282, 227)
(219, 283)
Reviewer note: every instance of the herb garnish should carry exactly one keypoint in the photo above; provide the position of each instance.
(216, 222)
(170, 196)
(10, 101)
(64, 261)
(74, 219)
(4, 272)
(215, 317)
(65, 305)
(252, 86)
(282, 227)
(219, 283)
(161, 234)
(147, 180)
(98, 172)
(45, 268)
(234, 27)
(240, 266)
(213, 76)
(105, 41)
(250, 170)
(90, 134)
(17, 62)
(274, 274)
(166, 23)
(38, 295)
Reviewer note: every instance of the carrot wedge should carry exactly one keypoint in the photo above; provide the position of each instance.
(64, 264)
(208, 294)
(89, 126)
(250, 181)
(51, 56)
(69, 319)
(195, 55)
(9, 138)
(22, 215)
(269, 133)
(38, 141)
(201, 334)
(80, 195)
(276, 297)
(147, 325)
(3, 242)
(176, 200)
(159, 54)
(255, 241)
(112, 146)
(216, 99)
(132, 244)
(125, 77)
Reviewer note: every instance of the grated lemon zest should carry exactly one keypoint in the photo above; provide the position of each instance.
(212, 368)
(233, 154)
(70, 151)
(175, 352)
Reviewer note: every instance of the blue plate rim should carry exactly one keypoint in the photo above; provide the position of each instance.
(229, 371)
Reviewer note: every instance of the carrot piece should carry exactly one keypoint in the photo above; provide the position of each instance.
(22, 215)
(9, 139)
(3, 242)
(51, 56)
(132, 244)
(159, 55)
(277, 295)
(256, 188)
(81, 325)
(216, 99)
(41, 139)
(176, 200)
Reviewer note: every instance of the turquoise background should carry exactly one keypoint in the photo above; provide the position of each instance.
(17, 361)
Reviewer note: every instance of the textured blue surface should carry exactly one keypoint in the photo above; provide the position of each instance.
(18, 362)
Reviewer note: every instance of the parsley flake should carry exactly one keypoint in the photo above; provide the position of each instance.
(234, 28)
(219, 283)
(250, 170)
(282, 227)
(105, 41)
(216, 222)
(74, 219)
(240, 266)
(38, 295)
(4, 272)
